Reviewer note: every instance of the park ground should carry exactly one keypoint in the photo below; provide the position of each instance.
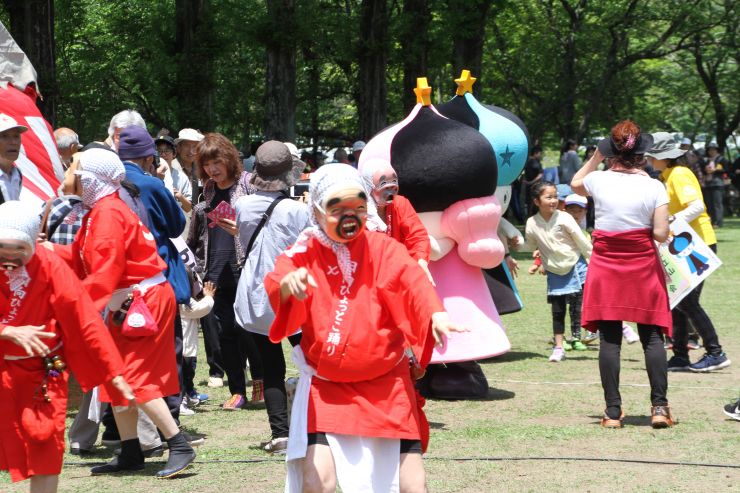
(538, 430)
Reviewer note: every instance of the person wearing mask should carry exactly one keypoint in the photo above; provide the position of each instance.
(116, 257)
(48, 326)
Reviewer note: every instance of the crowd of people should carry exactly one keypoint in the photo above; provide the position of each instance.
(97, 282)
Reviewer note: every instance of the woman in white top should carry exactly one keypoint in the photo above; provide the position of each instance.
(625, 279)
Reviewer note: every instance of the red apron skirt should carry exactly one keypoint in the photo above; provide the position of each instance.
(149, 362)
(625, 281)
(22, 452)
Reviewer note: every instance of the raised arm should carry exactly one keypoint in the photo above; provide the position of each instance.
(576, 184)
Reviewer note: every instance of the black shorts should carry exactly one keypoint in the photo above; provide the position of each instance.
(407, 446)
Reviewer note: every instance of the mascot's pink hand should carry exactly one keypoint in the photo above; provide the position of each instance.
(472, 223)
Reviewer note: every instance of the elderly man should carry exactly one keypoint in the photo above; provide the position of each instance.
(126, 118)
(48, 325)
(10, 148)
(68, 143)
(186, 141)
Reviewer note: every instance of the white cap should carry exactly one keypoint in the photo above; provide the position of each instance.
(575, 199)
(19, 222)
(189, 134)
(358, 146)
(685, 141)
(7, 122)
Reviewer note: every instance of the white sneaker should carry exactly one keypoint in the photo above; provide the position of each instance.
(185, 410)
(629, 334)
(558, 354)
(215, 382)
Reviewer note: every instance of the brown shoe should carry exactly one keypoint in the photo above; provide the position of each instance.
(607, 422)
(661, 417)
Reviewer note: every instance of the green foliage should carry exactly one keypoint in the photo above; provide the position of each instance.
(569, 68)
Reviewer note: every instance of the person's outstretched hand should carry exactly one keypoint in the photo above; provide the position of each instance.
(425, 267)
(442, 326)
(29, 338)
(296, 284)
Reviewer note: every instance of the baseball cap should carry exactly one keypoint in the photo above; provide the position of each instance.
(7, 122)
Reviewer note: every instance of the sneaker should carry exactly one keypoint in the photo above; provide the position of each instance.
(215, 382)
(733, 410)
(258, 392)
(678, 363)
(193, 440)
(567, 345)
(661, 417)
(558, 354)
(184, 409)
(194, 398)
(710, 362)
(693, 344)
(590, 338)
(276, 446)
(236, 401)
(579, 346)
(607, 422)
(629, 334)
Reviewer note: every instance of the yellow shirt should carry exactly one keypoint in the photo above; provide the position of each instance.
(683, 188)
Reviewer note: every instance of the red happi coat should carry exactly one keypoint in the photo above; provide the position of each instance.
(355, 336)
(405, 226)
(111, 251)
(52, 296)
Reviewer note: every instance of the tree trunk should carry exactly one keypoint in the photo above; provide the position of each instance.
(32, 26)
(194, 46)
(468, 25)
(415, 45)
(280, 87)
(373, 61)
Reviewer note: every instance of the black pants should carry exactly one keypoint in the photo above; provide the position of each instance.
(273, 368)
(237, 345)
(609, 362)
(690, 311)
(574, 302)
(189, 364)
(213, 346)
(174, 401)
(714, 198)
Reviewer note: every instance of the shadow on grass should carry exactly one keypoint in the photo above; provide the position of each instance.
(628, 420)
(511, 356)
(493, 395)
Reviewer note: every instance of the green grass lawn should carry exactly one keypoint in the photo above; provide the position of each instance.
(537, 411)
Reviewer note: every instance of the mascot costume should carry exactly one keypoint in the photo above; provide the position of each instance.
(449, 170)
(39, 160)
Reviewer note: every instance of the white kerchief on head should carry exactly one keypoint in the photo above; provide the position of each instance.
(101, 174)
(328, 179)
(19, 222)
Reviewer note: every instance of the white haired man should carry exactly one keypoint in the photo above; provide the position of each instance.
(68, 143)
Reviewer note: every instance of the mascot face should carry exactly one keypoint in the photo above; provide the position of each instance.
(14, 254)
(343, 214)
(385, 185)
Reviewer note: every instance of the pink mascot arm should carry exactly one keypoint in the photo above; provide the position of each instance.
(472, 223)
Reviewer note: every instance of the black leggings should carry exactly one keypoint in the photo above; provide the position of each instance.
(609, 363)
(574, 302)
(408, 446)
(237, 345)
(690, 311)
(273, 369)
